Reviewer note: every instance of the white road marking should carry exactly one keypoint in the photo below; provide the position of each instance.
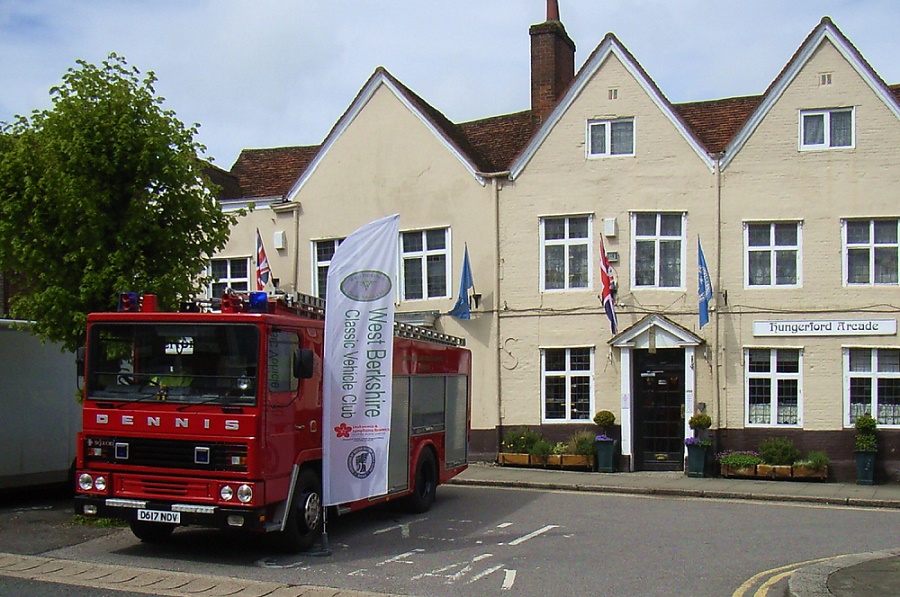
(508, 579)
(484, 573)
(503, 525)
(401, 558)
(465, 567)
(404, 528)
(534, 534)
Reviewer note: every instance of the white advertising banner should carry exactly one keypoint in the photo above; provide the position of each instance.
(826, 327)
(359, 333)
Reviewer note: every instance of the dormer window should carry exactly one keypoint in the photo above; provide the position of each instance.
(610, 137)
(826, 129)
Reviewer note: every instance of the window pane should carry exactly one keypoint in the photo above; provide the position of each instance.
(645, 224)
(787, 401)
(858, 231)
(578, 266)
(581, 398)
(598, 138)
(580, 359)
(841, 129)
(759, 360)
(239, 286)
(814, 129)
(322, 280)
(788, 361)
(412, 242)
(858, 266)
(885, 232)
(760, 265)
(219, 268)
(555, 229)
(554, 267)
(670, 263)
(886, 265)
(555, 360)
(325, 250)
(786, 235)
(622, 141)
(889, 401)
(555, 395)
(412, 279)
(578, 227)
(239, 268)
(785, 267)
(645, 263)
(437, 280)
(435, 239)
(759, 235)
(860, 397)
(670, 224)
(860, 360)
(759, 398)
(888, 360)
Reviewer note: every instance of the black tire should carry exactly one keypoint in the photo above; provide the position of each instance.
(426, 482)
(305, 514)
(151, 532)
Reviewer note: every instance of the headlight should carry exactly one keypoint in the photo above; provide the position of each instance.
(245, 493)
(226, 492)
(85, 482)
(100, 483)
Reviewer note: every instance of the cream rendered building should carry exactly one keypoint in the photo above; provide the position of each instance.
(791, 194)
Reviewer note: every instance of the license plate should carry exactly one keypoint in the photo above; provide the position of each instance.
(159, 516)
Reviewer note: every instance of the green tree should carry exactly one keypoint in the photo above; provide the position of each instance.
(102, 193)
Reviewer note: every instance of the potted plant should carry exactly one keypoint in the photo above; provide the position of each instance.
(579, 451)
(778, 455)
(696, 448)
(604, 445)
(540, 452)
(738, 463)
(866, 445)
(815, 466)
(700, 422)
(516, 446)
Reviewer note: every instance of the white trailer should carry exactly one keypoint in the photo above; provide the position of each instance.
(40, 415)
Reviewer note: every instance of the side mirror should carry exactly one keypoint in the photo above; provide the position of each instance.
(304, 363)
(79, 366)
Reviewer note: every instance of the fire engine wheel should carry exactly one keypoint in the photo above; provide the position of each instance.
(151, 532)
(304, 518)
(426, 482)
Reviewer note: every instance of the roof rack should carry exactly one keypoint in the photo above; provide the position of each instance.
(313, 307)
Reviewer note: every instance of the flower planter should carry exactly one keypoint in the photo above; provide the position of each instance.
(606, 455)
(865, 468)
(773, 471)
(804, 472)
(511, 459)
(576, 461)
(738, 471)
(696, 461)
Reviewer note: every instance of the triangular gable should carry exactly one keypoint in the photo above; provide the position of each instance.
(609, 46)
(825, 30)
(381, 78)
(667, 333)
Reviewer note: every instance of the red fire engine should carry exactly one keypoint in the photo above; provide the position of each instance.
(215, 418)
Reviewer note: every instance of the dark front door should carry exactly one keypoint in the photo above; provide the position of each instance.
(659, 409)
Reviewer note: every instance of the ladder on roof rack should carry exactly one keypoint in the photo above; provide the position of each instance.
(314, 307)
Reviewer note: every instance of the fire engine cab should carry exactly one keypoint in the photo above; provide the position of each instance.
(214, 417)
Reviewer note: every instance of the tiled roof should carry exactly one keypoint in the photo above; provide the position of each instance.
(500, 138)
(270, 172)
(715, 122)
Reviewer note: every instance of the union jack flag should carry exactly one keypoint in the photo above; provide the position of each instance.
(606, 282)
(263, 273)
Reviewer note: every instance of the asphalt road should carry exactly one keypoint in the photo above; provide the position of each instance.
(490, 541)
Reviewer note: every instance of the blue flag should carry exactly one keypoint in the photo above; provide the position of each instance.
(461, 309)
(704, 289)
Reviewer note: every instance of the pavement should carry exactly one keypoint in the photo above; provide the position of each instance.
(873, 574)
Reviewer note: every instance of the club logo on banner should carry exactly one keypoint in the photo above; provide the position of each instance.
(359, 340)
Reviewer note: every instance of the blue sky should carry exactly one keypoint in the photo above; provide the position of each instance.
(269, 73)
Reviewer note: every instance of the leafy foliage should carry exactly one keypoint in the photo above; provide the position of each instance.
(778, 451)
(520, 440)
(739, 458)
(104, 192)
(541, 448)
(865, 423)
(581, 443)
(865, 440)
(700, 421)
(605, 419)
(815, 459)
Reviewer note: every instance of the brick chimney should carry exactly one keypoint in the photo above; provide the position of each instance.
(552, 62)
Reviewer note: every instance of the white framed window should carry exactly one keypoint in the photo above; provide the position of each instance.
(872, 385)
(773, 386)
(425, 263)
(568, 383)
(772, 254)
(871, 251)
(658, 249)
(827, 129)
(232, 272)
(323, 252)
(610, 137)
(565, 253)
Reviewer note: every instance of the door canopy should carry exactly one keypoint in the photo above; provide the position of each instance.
(655, 331)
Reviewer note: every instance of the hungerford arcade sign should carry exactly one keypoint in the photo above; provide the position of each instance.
(826, 327)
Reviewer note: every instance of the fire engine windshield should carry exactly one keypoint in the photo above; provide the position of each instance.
(186, 363)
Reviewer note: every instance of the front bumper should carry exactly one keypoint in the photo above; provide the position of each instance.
(251, 519)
